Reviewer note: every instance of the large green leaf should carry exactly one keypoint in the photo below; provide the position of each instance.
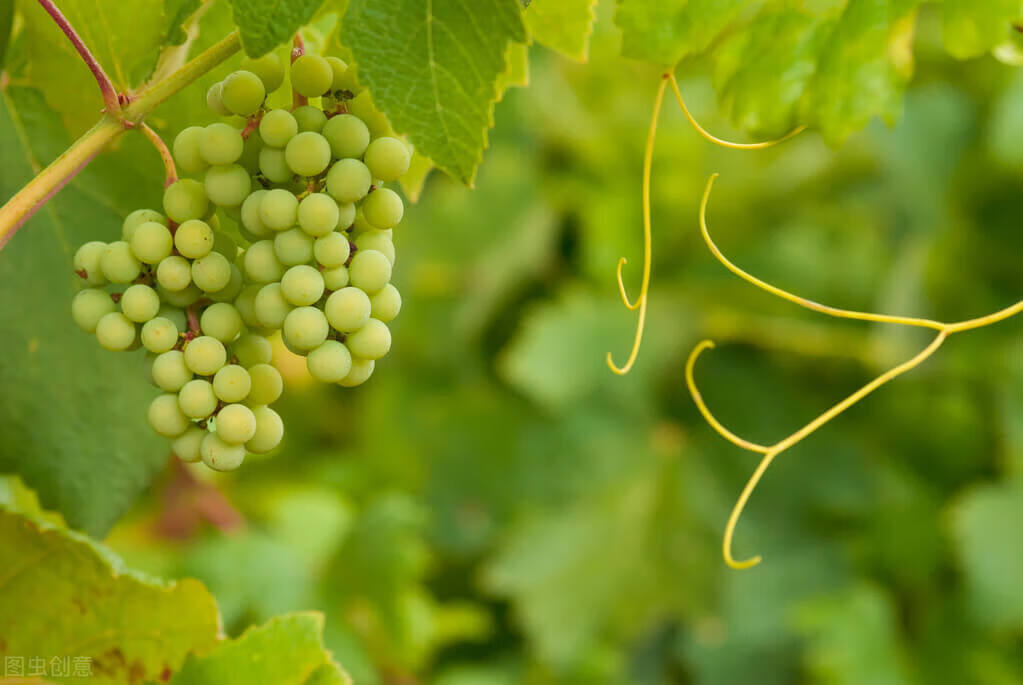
(562, 25)
(265, 24)
(433, 68)
(73, 415)
(665, 31)
(65, 596)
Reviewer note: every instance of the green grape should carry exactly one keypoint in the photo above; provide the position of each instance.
(205, 355)
(140, 303)
(318, 214)
(279, 209)
(379, 241)
(302, 285)
(332, 250)
(273, 165)
(309, 118)
(221, 143)
(250, 215)
(232, 383)
(115, 331)
(362, 369)
(336, 278)
(197, 399)
(118, 264)
(220, 456)
(267, 385)
(173, 314)
(269, 431)
(159, 335)
(360, 225)
(387, 158)
(152, 242)
(170, 373)
(338, 68)
(385, 304)
(186, 446)
(212, 272)
(270, 306)
(347, 309)
(383, 208)
(372, 341)
(221, 321)
(305, 328)
(227, 185)
(214, 100)
(242, 93)
(87, 261)
(251, 350)
(89, 306)
(245, 303)
(236, 424)
(186, 149)
(294, 247)
(194, 239)
(268, 68)
(362, 106)
(307, 154)
(369, 270)
(347, 80)
(330, 362)
(250, 154)
(174, 273)
(185, 199)
(347, 135)
(180, 298)
(233, 287)
(136, 219)
(261, 264)
(225, 245)
(166, 417)
(311, 75)
(345, 215)
(277, 127)
(348, 180)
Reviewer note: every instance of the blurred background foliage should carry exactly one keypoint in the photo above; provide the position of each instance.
(496, 507)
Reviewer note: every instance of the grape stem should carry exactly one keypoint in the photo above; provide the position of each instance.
(168, 160)
(251, 125)
(297, 99)
(193, 321)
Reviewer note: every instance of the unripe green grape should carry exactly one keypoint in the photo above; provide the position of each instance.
(186, 147)
(387, 158)
(261, 264)
(89, 306)
(310, 118)
(173, 314)
(186, 446)
(227, 185)
(267, 385)
(214, 100)
(277, 127)
(383, 208)
(348, 180)
(250, 214)
(230, 291)
(269, 431)
(268, 68)
(252, 349)
(372, 341)
(140, 303)
(152, 242)
(220, 456)
(345, 216)
(185, 199)
(347, 135)
(318, 214)
(87, 260)
(379, 241)
(302, 285)
(311, 75)
(294, 247)
(221, 321)
(250, 153)
(115, 331)
(362, 106)
(221, 143)
(338, 68)
(225, 245)
(360, 225)
(166, 417)
(180, 298)
(194, 239)
(170, 373)
(212, 272)
(369, 270)
(385, 304)
(174, 273)
(270, 306)
(136, 219)
(330, 362)
(273, 165)
(196, 399)
(118, 264)
(347, 80)
(242, 93)
(362, 369)
(159, 335)
(347, 309)
(232, 383)
(307, 154)
(279, 209)
(205, 355)
(305, 328)
(332, 250)
(245, 303)
(336, 278)
(236, 424)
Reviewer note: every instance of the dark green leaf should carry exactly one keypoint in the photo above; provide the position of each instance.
(265, 24)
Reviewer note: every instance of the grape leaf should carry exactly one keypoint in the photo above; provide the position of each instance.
(6, 24)
(286, 650)
(66, 596)
(178, 12)
(73, 415)
(516, 73)
(562, 25)
(972, 28)
(265, 24)
(433, 69)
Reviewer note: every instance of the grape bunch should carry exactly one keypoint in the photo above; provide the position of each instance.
(303, 189)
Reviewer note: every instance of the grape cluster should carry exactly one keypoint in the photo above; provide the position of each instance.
(304, 188)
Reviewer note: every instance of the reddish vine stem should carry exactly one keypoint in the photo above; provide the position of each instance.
(193, 321)
(297, 99)
(106, 86)
(171, 171)
(250, 126)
